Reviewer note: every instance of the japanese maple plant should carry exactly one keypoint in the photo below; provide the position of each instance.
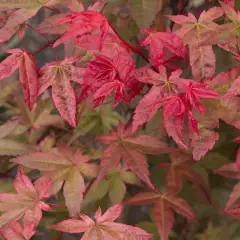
(137, 103)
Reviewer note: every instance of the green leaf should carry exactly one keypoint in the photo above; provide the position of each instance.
(214, 233)
(98, 121)
(13, 148)
(213, 160)
(72, 190)
(8, 127)
(144, 11)
(237, 4)
(151, 228)
(130, 178)
(98, 193)
(117, 190)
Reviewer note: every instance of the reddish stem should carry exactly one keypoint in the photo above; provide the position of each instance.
(49, 44)
(57, 205)
(135, 50)
(59, 236)
(89, 187)
(53, 10)
(183, 7)
(35, 30)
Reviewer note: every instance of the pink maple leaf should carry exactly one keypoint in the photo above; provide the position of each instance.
(104, 227)
(27, 202)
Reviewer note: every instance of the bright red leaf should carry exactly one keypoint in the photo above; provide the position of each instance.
(83, 24)
(158, 40)
(59, 75)
(27, 65)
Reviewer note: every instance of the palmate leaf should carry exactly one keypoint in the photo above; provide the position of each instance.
(27, 65)
(16, 23)
(103, 228)
(98, 120)
(158, 40)
(59, 75)
(16, 232)
(83, 24)
(114, 185)
(163, 206)
(48, 25)
(131, 148)
(27, 202)
(144, 12)
(180, 168)
(63, 167)
(195, 33)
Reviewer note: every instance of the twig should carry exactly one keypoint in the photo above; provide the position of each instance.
(53, 10)
(34, 30)
(49, 44)
(183, 7)
(59, 236)
(57, 205)
(135, 50)
(89, 187)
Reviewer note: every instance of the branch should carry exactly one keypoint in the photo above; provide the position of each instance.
(59, 236)
(183, 7)
(34, 30)
(89, 187)
(57, 205)
(135, 50)
(49, 44)
(53, 10)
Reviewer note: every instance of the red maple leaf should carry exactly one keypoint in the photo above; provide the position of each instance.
(103, 228)
(179, 168)
(83, 24)
(16, 22)
(158, 40)
(58, 75)
(176, 95)
(27, 65)
(104, 76)
(163, 206)
(123, 144)
(196, 33)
